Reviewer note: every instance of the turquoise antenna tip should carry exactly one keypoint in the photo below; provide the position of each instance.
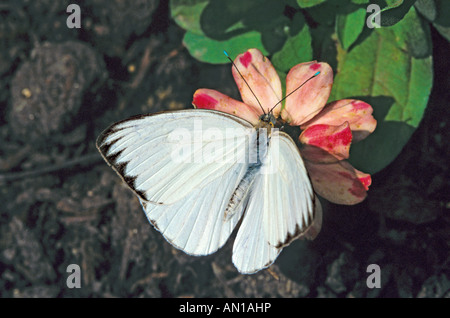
(317, 73)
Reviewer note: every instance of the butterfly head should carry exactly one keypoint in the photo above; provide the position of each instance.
(266, 121)
(268, 118)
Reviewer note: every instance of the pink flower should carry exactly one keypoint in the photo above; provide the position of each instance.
(327, 129)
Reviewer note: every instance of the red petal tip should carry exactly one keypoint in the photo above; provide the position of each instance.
(366, 182)
(204, 101)
(314, 66)
(246, 59)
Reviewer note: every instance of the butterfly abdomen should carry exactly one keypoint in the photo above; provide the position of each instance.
(242, 190)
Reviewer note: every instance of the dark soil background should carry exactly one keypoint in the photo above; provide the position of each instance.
(61, 204)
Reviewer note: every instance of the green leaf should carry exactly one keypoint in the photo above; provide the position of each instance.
(297, 48)
(442, 8)
(427, 8)
(412, 35)
(349, 26)
(360, 1)
(436, 11)
(222, 20)
(186, 13)
(323, 15)
(211, 51)
(393, 13)
(223, 24)
(391, 70)
(308, 3)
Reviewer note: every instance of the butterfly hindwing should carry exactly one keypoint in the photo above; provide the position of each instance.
(280, 208)
(197, 223)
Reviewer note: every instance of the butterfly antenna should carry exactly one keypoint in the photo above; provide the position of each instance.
(226, 54)
(295, 90)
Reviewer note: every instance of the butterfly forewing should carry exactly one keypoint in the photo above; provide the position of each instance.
(163, 157)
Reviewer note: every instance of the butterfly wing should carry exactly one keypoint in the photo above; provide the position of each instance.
(163, 157)
(197, 224)
(280, 207)
(184, 187)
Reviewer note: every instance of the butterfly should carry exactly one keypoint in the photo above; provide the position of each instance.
(201, 174)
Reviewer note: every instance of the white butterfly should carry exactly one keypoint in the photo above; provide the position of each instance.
(198, 173)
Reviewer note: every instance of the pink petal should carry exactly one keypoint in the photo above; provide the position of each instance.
(316, 154)
(211, 99)
(308, 100)
(261, 77)
(338, 182)
(356, 112)
(314, 229)
(335, 140)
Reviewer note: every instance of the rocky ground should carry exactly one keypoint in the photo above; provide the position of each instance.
(62, 205)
